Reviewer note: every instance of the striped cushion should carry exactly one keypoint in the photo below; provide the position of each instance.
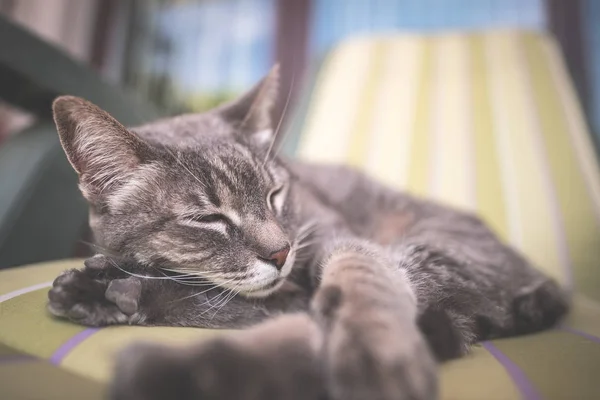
(487, 122)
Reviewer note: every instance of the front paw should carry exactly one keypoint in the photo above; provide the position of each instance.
(216, 369)
(373, 354)
(379, 366)
(89, 297)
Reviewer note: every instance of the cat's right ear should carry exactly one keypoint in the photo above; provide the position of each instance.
(101, 150)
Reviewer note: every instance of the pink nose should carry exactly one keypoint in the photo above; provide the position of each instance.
(278, 258)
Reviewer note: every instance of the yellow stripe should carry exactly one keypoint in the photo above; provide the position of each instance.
(451, 179)
(103, 346)
(582, 229)
(336, 99)
(531, 214)
(560, 365)
(41, 380)
(394, 112)
(418, 172)
(488, 188)
(476, 376)
(360, 136)
(584, 316)
(25, 325)
(17, 278)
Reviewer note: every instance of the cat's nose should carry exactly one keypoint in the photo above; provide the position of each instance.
(278, 258)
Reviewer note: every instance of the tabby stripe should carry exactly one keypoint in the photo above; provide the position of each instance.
(419, 168)
(525, 387)
(582, 231)
(489, 193)
(394, 111)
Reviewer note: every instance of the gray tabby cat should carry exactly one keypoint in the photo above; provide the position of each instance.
(201, 224)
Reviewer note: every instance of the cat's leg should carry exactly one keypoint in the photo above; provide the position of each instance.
(109, 292)
(278, 359)
(98, 294)
(373, 347)
(464, 297)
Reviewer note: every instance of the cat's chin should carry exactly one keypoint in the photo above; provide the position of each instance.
(264, 291)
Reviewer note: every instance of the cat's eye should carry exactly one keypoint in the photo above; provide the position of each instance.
(274, 198)
(210, 218)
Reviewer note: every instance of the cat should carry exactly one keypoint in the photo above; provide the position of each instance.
(348, 289)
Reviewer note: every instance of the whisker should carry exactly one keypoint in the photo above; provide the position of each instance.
(234, 293)
(198, 294)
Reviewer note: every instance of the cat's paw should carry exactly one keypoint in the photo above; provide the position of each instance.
(89, 297)
(215, 369)
(373, 356)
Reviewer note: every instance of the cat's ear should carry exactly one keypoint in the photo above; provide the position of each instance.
(251, 113)
(101, 150)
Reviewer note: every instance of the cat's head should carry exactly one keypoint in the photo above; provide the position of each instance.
(196, 193)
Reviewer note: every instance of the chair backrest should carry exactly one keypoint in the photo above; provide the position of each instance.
(483, 121)
(42, 214)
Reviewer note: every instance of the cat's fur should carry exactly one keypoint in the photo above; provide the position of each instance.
(390, 282)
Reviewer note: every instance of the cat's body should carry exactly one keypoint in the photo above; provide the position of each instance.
(380, 272)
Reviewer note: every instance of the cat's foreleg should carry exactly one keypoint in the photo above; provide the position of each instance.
(278, 359)
(109, 291)
(373, 347)
(97, 294)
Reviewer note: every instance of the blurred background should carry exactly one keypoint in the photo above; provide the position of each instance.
(185, 55)
(172, 56)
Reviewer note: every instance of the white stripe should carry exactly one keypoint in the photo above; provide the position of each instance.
(452, 175)
(394, 111)
(15, 293)
(500, 118)
(337, 99)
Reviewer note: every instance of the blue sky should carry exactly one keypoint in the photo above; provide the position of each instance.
(228, 44)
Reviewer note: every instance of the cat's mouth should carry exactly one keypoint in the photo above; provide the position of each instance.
(266, 290)
(267, 279)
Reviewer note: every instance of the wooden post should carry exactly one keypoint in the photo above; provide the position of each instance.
(566, 23)
(291, 49)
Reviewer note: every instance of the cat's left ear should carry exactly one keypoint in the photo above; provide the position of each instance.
(251, 113)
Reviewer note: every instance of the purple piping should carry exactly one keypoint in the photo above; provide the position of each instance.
(525, 387)
(66, 348)
(580, 333)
